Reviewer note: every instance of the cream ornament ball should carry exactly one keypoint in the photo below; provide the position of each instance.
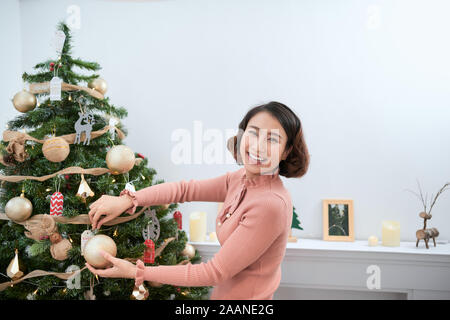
(99, 85)
(19, 209)
(55, 149)
(93, 247)
(120, 159)
(24, 101)
(189, 251)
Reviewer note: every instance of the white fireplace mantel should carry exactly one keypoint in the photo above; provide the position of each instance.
(317, 269)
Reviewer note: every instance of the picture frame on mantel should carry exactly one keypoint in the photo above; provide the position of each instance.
(338, 220)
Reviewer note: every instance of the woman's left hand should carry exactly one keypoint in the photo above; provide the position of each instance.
(120, 268)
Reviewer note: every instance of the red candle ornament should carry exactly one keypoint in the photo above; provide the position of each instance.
(149, 253)
(178, 218)
(140, 155)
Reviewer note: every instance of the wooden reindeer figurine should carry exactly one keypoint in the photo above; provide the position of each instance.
(425, 234)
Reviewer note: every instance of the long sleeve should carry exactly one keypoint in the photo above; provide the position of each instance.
(213, 190)
(257, 230)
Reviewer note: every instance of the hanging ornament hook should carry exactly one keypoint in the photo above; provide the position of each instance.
(112, 142)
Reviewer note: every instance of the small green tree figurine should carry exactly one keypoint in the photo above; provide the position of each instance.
(295, 224)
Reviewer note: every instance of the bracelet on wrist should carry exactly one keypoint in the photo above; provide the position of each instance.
(139, 278)
(132, 196)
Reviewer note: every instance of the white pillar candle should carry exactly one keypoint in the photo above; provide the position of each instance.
(373, 241)
(197, 226)
(390, 233)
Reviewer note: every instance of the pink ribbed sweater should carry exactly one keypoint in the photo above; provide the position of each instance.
(253, 239)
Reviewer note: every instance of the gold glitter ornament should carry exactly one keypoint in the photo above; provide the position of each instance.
(99, 85)
(84, 190)
(16, 268)
(189, 251)
(139, 293)
(24, 101)
(120, 159)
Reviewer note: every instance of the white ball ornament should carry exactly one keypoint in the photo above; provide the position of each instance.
(93, 247)
(19, 209)
(120, 159)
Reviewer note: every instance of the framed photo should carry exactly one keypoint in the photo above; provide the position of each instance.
(337, 220)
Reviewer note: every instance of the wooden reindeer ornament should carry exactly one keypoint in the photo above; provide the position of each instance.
(425, 234)
(431, 233)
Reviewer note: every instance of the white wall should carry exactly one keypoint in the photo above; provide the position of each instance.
(11, 59)
(369, 80)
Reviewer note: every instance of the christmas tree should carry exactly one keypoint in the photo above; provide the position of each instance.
(70, 154)
(295, 222)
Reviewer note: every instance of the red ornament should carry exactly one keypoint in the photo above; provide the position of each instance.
(66, 177)
(56, 204)
(149, 253)
(51, 69)
(59, 65)
(68, 186)
(178, 218)
(178, 289)
(52, 64)
(140, 155)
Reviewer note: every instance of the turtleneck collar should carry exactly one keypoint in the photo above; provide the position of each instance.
(259, 180)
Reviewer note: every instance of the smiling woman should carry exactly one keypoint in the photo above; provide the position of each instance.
(256, 217)
(270, 137)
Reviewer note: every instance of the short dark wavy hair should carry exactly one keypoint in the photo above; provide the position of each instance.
(297, 162)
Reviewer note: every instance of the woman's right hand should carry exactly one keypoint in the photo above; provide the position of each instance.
(108, 206)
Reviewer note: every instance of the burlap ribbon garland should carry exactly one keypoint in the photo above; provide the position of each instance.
(82, 219)
(17, 140)
(45, 87)
(69, 170)
(40, 273)
(3, 162)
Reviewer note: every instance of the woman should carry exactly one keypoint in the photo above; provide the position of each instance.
(254, 223)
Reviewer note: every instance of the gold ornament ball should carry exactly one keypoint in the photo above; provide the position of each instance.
(24, 101)
(98, 85)
(93, 247)
(19, 209)
(189, 251)
(120, 159)
(55, 149)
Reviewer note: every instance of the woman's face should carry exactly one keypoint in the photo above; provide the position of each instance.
(262, 145)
